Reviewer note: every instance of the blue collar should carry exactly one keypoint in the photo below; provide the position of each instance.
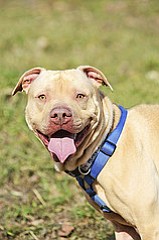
(98, 161)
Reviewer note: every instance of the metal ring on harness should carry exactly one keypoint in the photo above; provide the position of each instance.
(82, 172)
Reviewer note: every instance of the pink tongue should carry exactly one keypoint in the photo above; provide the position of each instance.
(62, 147)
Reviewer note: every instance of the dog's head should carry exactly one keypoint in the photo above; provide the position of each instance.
(65, 111)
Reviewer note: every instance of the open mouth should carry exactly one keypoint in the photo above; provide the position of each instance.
(62, 143)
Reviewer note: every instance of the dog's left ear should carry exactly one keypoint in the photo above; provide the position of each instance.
(26, 79)
(96, 75)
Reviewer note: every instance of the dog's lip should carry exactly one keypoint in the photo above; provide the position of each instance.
(63, 144)
(78, 137)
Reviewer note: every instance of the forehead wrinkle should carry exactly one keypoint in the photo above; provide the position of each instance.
(62, 82)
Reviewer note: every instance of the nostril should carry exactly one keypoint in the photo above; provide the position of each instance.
(64, 115)
(55, 115)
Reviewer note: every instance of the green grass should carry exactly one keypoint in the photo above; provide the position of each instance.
(118, 37)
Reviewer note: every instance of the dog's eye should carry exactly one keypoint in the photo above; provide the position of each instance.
(80, 95)
(42, 97)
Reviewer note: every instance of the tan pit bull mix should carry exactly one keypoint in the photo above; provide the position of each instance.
(71, 116)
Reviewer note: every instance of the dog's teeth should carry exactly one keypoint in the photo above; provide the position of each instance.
(75, 136)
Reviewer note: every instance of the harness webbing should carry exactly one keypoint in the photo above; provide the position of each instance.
(100, 159)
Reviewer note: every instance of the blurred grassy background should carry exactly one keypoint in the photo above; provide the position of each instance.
(121, 38)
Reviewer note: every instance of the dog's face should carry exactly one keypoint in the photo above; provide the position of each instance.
(64, 110)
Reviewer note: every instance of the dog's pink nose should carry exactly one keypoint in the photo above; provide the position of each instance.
(61, 115)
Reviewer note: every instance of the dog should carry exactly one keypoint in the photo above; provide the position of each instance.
(73, 118)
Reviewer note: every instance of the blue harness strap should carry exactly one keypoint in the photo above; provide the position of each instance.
(101, 158)
(109, 145)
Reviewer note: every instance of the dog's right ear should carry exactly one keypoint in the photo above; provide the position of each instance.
(96, 75)
(26, 79)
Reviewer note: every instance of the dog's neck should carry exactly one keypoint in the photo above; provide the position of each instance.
(115, 120)
(111, 113)
(95, 164)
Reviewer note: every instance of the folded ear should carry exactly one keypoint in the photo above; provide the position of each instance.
(96, 75)
(26, 79)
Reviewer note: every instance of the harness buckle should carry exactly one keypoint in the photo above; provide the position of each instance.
(108, 148)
